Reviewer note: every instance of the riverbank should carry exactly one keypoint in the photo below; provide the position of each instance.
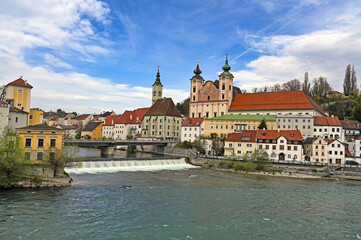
(279, 170)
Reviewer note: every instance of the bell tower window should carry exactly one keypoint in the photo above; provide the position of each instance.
(230, 87)
(194, 98)
(222, 95)
(154, 94)
(159, 94)
(209, 98)
(194, 88)
(223, 86)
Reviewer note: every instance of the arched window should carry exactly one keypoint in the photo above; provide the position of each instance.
(289, 156)
(273, 155)
(194, 98)
(222, 95)
(295, 157)
(223, 86)
(194, 88)
(209, 97)
(230, 87)
(159, 94)
(154, 93)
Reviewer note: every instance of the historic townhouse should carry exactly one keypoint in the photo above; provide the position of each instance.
(162, 121)
(226, 124)
(240, 144)
(211, 99)
(129, 125)
(351, 129)
(315, 149)
(281, 144)
(328, 127)
(294, 110)
(108, 127)
(19, 91)
(93, 130)
(192, 129)
(335, 151)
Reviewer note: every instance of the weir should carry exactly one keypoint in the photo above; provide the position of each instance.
(128, 165)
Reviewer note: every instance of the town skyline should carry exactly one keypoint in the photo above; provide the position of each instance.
(93, 56)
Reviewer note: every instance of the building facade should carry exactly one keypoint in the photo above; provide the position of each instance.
(335, 151)
(40, 142)
(20, 92)
(315, 149)
(36, 116)
(129, 125)
(192, 129)
(351, 129)
(328, 127)
(240, 144)
(226, 124)
(211, 99)
(162, 121)
(93, 130)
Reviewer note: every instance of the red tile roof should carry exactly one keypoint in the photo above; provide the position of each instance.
(351, 124)
(20, 82)
(83, 117)
(111, 120)
(274, 101)
(348, 153)
(164, 106)
(245, 136)
(291, 135)
(326, 121)
(192, 122)
(328, 140)
(55, 118)
(132, 117)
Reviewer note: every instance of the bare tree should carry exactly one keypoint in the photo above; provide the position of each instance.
(293, 85)
(320, 87)
(306, 85)
(2, 93)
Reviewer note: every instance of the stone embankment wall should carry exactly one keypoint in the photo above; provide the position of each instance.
(174, 151)
(352, 173)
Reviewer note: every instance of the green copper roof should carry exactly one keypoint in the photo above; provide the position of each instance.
(245, 117)
(226, 67)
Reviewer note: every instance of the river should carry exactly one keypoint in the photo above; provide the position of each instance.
(184, 204)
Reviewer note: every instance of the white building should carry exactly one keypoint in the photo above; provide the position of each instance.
(328, 127)
(335, 151)
(192, 129)
(281, 144)
(109, 126)
(129, 124)
(351, 129)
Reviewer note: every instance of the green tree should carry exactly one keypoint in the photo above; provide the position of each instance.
(263, 124)
(183, 107)
(63, 158)
(259, 158)
(12, 160)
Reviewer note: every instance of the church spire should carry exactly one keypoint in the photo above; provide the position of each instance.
(197, 71)
(226, 67)
(157, 79)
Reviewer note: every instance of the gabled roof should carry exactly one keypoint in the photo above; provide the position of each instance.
(328, 140)
(348, 153)
(274, 101)
(83, 117)
(40, 127)
(291, 135)
(132, 117)
(326, 121)
(91, 126)
(105, 114)
(111, 120)
(245, 136)
(309, 140)
(192, 122)
(351, 124)
(163, 107)
(20, 83)
(17, 110)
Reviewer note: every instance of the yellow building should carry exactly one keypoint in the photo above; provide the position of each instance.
(226, 124)
(93, 130)
(39, 140)
(315, 149)
(240, 144)
(20, 91)
(36, 116)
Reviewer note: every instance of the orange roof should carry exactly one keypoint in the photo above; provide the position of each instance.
(20, 82)
(335, 92)
(192, 122)
(132, 117)
(111, 120)
(291, 135)
(348, 153)
(351, 124)
(55, 118)
(245, 136)
(326, 121)
(274, 101)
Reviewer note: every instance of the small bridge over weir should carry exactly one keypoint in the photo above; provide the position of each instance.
(107, 146)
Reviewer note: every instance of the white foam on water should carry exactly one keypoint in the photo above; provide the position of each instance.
(129, 166)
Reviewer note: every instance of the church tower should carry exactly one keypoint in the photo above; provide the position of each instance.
(197, 82)
(226, 83)
(157, 88)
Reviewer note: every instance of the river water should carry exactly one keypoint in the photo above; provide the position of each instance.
(184, 204)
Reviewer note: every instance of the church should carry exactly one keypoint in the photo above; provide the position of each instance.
(211, 99)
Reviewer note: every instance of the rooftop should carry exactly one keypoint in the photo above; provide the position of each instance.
(91, 126)
(326, 121)
(290, 135)
(192, 122)
(20, 83)
(164, 107)
(245, 136)
(40, 127)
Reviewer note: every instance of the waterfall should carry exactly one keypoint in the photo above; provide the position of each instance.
(128, 165)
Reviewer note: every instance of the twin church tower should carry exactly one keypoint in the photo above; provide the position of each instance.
(207, 98)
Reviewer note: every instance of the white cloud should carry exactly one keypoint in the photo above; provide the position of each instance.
(323, 52)
(56, 62)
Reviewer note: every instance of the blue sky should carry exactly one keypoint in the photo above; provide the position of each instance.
(89, 55)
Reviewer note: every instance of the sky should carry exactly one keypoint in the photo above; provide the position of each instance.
(90, 56)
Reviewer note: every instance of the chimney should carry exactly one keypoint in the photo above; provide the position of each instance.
(332, 116)
(264, 129)
(278, 131)
(26, 82)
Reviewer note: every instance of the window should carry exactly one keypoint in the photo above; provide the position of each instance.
(239, 144)
(154, 94)
(289, 156)
(207, 114)
(282, 147)
(230, 145)
(194, 88)
(31, 117)
(289, 148)
(215, 114)
(223, 95)
(209, 98)
(295, 148)
(40, 156)
(19, 104)
(194, 98)
(249, 144)
(260, 146)
(40, 142)
(274, 147)
(52, 142)
(223, 86)
(28, 142)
